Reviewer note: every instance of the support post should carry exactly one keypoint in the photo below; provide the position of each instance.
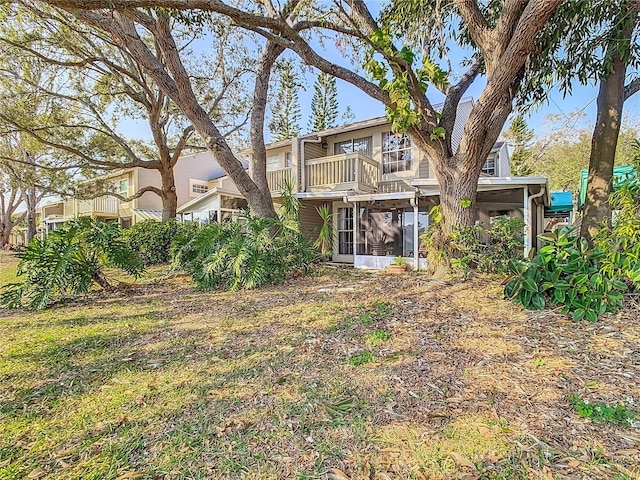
(416, 236)
(527, 222)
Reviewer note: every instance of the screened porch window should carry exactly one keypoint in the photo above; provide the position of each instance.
(389, 231)
(396, 153)
(361, 145)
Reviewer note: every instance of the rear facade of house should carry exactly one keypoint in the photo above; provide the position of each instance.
(380, 188)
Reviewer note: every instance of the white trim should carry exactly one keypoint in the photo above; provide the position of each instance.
(212, 192)
(320, 195)
(373, 197)
(515, 181)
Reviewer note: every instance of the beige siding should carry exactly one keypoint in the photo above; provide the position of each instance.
(200, 166)
(310, 221)
(224, 183)
(314, 150)
(149, 200)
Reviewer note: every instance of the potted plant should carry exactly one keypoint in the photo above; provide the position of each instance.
(399, 265)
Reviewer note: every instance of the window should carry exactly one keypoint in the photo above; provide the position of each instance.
(273, 163)
(489, 167)
(199, 188)
(360, 145)
(287, 160)
(123, 187)
(396, 153)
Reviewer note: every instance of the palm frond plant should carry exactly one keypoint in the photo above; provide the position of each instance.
(327, 233)
(245, 254)
(70, 260)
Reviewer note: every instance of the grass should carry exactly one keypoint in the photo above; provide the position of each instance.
(8, 265)
(161, 381)
(604, 413)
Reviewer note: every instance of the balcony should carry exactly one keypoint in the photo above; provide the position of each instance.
(277, 178)
(347, 171)
(100, 205)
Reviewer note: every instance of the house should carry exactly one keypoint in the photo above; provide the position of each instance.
(192, 174)
(380, 188)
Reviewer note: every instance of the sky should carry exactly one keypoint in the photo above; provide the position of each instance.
(582, 100)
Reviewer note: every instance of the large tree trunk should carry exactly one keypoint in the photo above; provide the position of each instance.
(458, 198)
(603, 152)
(611, 97)
(258, 165)
(31, 200)
(169, 194)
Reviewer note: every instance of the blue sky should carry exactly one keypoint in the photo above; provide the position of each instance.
(583, 98)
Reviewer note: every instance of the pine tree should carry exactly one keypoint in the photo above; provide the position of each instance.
(324, 104)
(520, 136)
(286, 111)
(348, 116)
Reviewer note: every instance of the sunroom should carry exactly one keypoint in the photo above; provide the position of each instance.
(217, 205)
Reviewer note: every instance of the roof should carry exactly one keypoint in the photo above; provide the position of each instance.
(192, 204)
(620, 175)
(560, 202)
(371, 122)
(143, 214)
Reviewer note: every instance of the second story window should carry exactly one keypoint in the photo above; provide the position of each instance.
(273, 163)
(199, 188)
(396, 153)
(360, 145)
(123, 187)
(288, 162)
(489, 167)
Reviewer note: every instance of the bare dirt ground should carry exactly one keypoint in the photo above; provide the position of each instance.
(345, 374)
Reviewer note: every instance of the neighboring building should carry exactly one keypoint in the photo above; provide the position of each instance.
(192, 174)
(380, 188)
(559, 213)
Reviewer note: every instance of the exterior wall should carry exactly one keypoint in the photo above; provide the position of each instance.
(199, 166)
(310, 221)
(504, 162)
(149, 200)
(280, 153)
(224, 183)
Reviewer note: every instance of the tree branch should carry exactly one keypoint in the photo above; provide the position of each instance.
(631, 88)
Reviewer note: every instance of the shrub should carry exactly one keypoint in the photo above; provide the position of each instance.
(152, 240)
(484, 249)
(489, 249)
(565, 272)
(245, 254)
(72, 260)
(621, 241)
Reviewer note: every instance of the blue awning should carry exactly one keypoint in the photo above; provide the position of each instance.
(620, 174)
(561, 202)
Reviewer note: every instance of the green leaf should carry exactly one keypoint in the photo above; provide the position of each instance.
(530, 285)
(559, 295)
(578, 314)
(538, 301)
(512, 288)
(591, 316)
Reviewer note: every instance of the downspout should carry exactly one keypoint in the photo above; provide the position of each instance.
(528, 242)
(303, 180)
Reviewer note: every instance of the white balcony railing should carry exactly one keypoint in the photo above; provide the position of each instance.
(342, 172)
(277, 178)
(99, 205)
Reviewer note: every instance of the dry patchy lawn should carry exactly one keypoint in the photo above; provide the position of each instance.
(374, 377)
